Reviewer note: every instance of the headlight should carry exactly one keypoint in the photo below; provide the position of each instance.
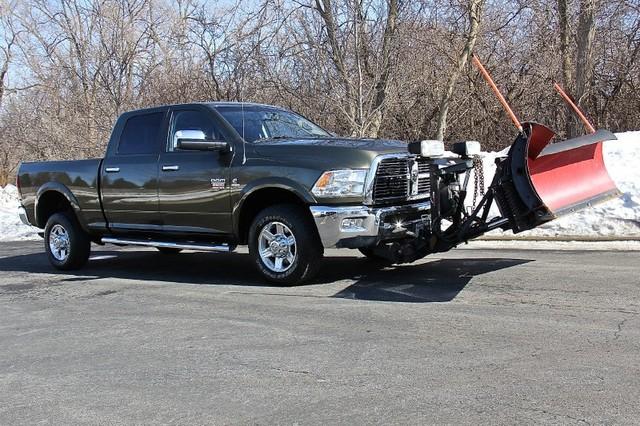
(340, 183)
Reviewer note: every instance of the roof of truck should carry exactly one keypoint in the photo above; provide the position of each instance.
(229, 103)
(209, 104)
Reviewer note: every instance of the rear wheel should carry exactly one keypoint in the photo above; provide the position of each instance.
(66, 243)
(169, 250)
(284, 245)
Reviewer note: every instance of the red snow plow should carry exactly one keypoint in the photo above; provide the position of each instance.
(537, 181)
(540, 180)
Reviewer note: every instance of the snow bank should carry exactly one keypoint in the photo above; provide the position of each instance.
(615, 218)
(11, 228)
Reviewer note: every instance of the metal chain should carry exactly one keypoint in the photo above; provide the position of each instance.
(478, 178)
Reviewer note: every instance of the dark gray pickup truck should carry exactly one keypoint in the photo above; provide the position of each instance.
(211, 176)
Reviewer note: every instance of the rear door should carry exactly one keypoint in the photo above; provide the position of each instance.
(193, 185)
(129, 174)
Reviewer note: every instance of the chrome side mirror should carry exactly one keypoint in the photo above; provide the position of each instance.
(196, 140)
(193, 135)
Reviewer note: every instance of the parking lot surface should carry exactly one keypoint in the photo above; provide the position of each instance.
(466, 337)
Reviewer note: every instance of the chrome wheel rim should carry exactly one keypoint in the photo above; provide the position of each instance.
(59, 244)
(277, 247)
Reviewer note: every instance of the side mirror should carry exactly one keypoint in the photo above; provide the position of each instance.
(196, 140)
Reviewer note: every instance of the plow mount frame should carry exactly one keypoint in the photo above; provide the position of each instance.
(513, 188)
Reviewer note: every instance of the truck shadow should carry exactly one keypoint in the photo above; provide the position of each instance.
(438, 280)
(434, 281)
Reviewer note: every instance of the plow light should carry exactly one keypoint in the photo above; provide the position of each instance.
(427, 148)
(467, 149)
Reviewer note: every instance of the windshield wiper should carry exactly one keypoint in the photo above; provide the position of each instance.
(275, 138)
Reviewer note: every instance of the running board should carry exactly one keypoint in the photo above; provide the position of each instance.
(226, 248)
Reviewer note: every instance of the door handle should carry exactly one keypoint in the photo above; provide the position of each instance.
(170, 168)
(112, 169)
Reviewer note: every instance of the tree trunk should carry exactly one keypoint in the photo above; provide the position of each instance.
(563, 21)
(584, 60)
(475, 13)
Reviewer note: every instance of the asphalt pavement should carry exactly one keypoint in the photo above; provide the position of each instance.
(467, 337)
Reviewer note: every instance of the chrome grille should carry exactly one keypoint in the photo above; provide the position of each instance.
(394, 181)
(424, 177)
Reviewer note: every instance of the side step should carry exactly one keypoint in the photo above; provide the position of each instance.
(225, 248)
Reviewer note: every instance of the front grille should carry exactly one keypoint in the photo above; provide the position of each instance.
(393, 180)
(423, 165)
(424, 177)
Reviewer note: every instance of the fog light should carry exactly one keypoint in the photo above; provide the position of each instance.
(353, 224)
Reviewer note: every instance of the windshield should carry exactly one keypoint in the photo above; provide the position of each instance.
(261, 123)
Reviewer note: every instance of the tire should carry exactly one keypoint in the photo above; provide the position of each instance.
(66, 243)
(169, 250)
(370, 254)
(300, 259)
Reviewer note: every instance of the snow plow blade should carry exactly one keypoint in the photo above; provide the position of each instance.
(540, 181)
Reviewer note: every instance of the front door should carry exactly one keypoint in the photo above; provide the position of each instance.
(129, 174)
(193, 185)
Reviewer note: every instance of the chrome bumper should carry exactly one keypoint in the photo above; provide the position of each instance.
(362, 226)
(22, 213)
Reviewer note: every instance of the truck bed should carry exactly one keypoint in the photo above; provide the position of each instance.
(77, 180)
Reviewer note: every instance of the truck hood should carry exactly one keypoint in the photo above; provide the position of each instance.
(376, 146)
(325, 154)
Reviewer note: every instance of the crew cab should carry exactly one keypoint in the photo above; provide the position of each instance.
(212, 176)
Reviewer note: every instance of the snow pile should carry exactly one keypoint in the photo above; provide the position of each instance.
(615, 218)
(11, 228)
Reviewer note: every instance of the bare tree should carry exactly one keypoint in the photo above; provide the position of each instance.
(365, 83)
(474, 11)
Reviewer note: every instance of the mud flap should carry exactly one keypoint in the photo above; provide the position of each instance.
(539, 180)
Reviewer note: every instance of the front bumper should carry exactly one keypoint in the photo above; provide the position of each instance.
(22, 213)
(363, 226)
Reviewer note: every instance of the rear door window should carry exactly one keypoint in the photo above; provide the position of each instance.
(140, 134)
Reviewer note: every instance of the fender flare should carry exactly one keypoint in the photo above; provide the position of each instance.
(66, 193)
(268, 183)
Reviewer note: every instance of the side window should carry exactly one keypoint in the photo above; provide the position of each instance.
(140, 134)
(191, 120)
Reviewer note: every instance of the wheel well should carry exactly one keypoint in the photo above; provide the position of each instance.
(258, 201)
(49, 203)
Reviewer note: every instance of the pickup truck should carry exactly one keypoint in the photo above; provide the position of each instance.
(212, 176)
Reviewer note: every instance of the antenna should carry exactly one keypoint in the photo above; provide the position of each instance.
(575, 108)
(495, 89)
(244, 141)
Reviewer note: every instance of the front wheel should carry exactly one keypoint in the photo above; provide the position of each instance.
(66, 243)
(284, 244)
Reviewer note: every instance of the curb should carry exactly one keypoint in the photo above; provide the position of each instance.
(563, 238)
